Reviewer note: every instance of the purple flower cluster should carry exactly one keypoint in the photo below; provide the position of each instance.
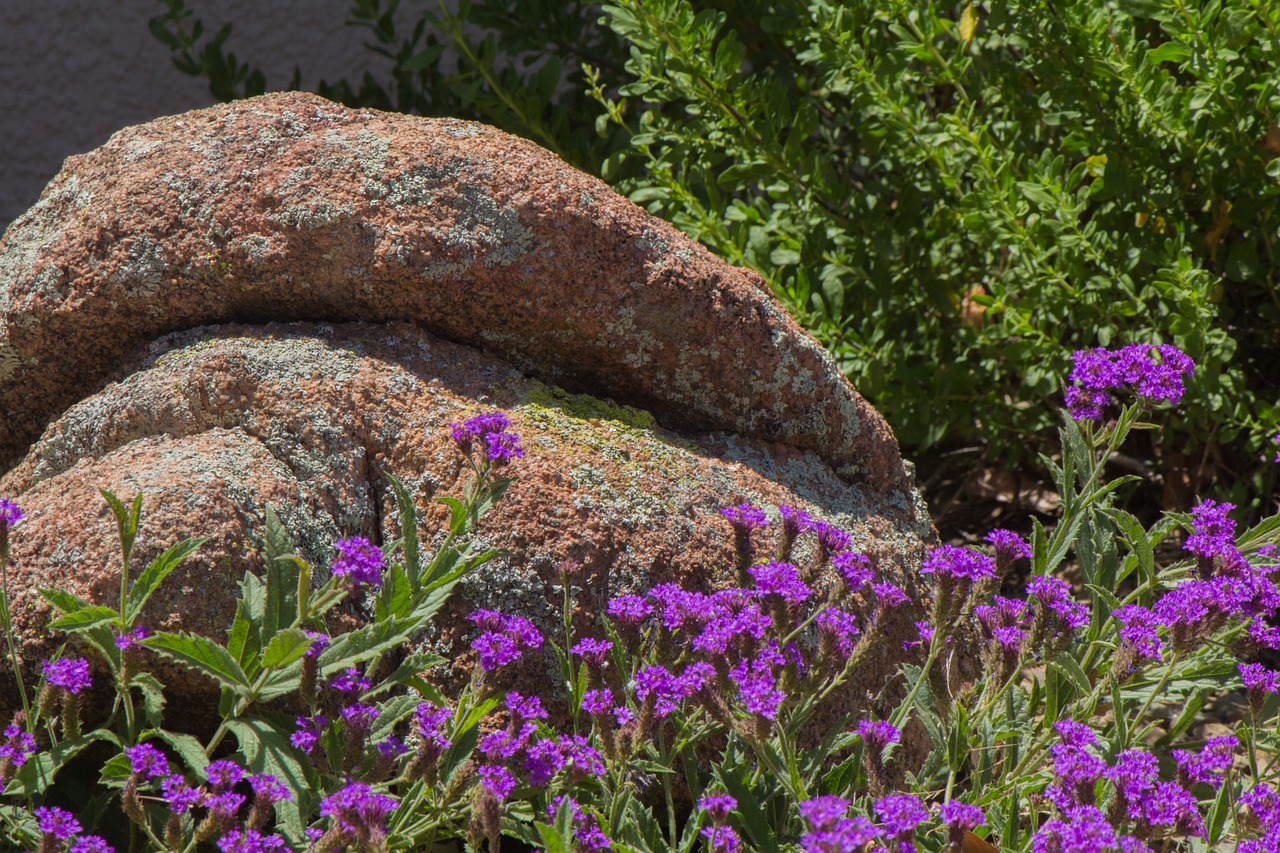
(1099, 371)
(587, 834)
(359, 562)
(58, 826)
(69, 674)
(359, 814)
(132, 638)
(831, 830)
(491, 431)
(504, 638)
(10, 513)
(959, 563)
(16, 748)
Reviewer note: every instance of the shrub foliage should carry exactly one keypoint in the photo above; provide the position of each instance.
(951, 197)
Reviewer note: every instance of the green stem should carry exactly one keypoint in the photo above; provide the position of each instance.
(8, 634)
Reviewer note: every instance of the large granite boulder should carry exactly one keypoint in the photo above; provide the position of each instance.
(372, 278)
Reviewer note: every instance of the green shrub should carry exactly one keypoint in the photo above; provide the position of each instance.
(953, 198)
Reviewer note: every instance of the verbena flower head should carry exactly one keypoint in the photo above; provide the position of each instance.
(1169, 804)
(223, 775)
(840, 627)
(18, 745)
(1207, 764)
(1259, 682)
(963, 816)
(721, 838)
(1083, 829)
(491, 431)
(319, 642)
(307, 736)
(242, 840)
(629, 609)
(359, 562)
(877, 734)
(504, 639)
(717, 806)
(57, 823)
(841, 836)
(900, 814)
(1008, 546)
(359, 810)
(959, 563)
(854, 568)
(823, 812)
(350, 682)
(91, 844)
(1054, 594)
(147, 762)
(1134, 772)
(70, 674)
(782, 580)
(498, 780)
(268, 788)
(1151, 375)
(10, 512)
(1213, 531)
(1140, 641)
(129, 639)
(593, 650)
(745, 516)
(178, 795)
(757, 682)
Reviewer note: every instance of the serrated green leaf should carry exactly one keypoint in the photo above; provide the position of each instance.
(202, 655)
(153, 700)
(408, 532)
(285, 647)
(267, 750)
(84, 619)
(190, 750)
(155, 572)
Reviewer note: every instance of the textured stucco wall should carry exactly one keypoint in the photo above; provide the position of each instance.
(72, 72)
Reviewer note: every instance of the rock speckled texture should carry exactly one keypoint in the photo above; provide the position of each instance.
(290, 207)
(277, 302)
(219, 423)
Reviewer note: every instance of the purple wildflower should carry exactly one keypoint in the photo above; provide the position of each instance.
(358, 810)
(855, 568)
(1260, 683)
(350, 682)
(502, 447)
(841, 836)
(147, 762)
(958, 563)
(877, 734)
(498, 780)
(58, 824)
(1213, 532)
(593, 651)
(504, 745)
(179, 796)
(319, 642)
(10, 513)
(839, 628)
(359, 717)
(223, 775)
(268, 788)
(717, 806)
(543, 762)
(490, 429)
(782, 580)
(587, 835)
(831, 539)
(1084, 830)
(307, 736)
(1085, 405)
(1169, 804)
(721, 838)
(251, 841)
(1009, 544)
(726, 627)
(360, 562)
(757, 684)
(1135, 367)
(888, 596)
(629, 609)
(505, 638)
(129, 639)
(823, 812)
(91, 844)
(71, 674)
(745, 516)
(900, 814)
(1134, 772)
(1208, 763)
(1139, 640)
(18, 746)
(224, 806)
(598, 703)
(959, 818)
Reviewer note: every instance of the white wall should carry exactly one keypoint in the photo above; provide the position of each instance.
(72, 72)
